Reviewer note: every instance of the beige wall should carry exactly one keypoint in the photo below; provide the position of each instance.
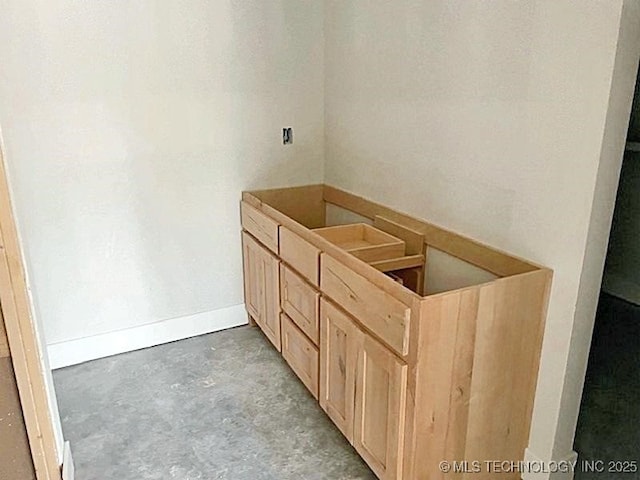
(131, 127)
(129, 130)
(487, 118)
(613, 141)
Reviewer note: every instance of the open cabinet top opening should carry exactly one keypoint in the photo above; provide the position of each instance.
(325, 215)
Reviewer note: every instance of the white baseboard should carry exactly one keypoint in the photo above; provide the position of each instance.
(68, 468)
(81, 350)
(556, 469)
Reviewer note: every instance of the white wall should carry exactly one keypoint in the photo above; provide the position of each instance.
(499, 108)
(130, 130)
(38, 329)
(613, 141)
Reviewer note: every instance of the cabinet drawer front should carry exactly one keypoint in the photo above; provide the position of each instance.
(300, 354)
(260, 226)
(300, 254)
(301, 302)
(384, 315)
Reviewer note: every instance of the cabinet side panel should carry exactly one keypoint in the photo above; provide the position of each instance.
(476, 375)
(506, 357)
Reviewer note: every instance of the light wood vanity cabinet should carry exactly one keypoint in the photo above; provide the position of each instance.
(421, 345)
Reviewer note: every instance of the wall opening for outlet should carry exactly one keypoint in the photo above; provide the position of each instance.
(287, 136)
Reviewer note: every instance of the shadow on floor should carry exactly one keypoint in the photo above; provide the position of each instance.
(222, 406)
(609, 423)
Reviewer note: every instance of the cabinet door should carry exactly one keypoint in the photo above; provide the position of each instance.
(271, 313)
(253, 287)
(339, 338)
(300, 353)
(262, 288)
(380, 398)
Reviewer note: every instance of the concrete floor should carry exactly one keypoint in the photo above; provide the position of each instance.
(226, 406)
(609, 423)
(222, 406)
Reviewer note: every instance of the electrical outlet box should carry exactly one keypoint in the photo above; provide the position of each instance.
(287, 136)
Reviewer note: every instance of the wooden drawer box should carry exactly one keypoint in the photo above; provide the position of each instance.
(381, 313)
(300, 255)
(260, 226)
(300, 354)
(364, 241)
(301, 302)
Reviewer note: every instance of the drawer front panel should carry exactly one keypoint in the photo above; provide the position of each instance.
(300, 354)
(384, 315)
(300, 254)
(260, 226)
(301, 302)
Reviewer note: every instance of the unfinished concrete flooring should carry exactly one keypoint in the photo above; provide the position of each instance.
(610, 413)
(222, 406)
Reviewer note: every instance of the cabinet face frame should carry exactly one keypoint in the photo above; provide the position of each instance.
(339, 339)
